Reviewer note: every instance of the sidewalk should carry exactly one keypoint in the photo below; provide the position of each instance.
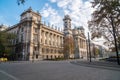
(98, 64)
(10, 62)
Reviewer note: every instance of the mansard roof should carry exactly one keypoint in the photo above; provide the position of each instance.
(30, 10)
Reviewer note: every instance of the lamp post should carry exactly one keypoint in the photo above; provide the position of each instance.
(87, 49)
(89, 46)
(23, 54)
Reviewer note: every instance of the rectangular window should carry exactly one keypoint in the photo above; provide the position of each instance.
(41, 40)
(45, 41)
(35, 37)
(35, 48)
(22, 29)
(21, 37)
(35, 30)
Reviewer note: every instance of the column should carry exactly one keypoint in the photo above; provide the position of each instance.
(80, 43)
(43, 37)
(84, 44)
(47, 38)
(55, 40)
(31, 41)
(25, 49)
(51, 39)
(62, 41)
(59, 41)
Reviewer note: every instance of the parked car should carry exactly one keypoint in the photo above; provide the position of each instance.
(3, 59)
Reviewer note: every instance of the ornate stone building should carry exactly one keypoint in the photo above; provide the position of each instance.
(36, 41)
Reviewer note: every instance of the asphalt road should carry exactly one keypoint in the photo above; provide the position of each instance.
(54, 70)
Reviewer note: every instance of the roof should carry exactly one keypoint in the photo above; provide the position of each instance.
(80, 27)
(30, 10)
(67, 17)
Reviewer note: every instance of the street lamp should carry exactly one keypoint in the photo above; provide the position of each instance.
(89, 46)
(23, 54)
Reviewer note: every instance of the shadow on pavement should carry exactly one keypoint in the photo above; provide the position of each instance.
(98, 64)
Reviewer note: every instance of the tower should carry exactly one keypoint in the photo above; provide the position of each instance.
(68, 38)
(67, 26)
(82, 29)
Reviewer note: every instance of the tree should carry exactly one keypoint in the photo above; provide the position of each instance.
(20, 2)
(106, 21)
(100, 25)
(6, 46)
(96, 51)
(68, 46)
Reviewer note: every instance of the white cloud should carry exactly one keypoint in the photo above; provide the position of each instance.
(51, 15)
(52, 1)
(79, 11)
(63, 3)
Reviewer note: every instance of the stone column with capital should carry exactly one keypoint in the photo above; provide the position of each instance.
(50, 39)
(47, 38)
(39, 44)
(31, 42)
(43, 37)
(58, 41)
(55, 40)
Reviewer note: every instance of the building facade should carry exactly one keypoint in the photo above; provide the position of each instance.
(36, 41)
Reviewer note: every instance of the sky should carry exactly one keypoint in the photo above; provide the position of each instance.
(52, 11)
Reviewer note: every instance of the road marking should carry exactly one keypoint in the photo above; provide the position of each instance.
(5, 73)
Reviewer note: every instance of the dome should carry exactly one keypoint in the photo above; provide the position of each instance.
(75, 32)
(67, 17)
(81, 28)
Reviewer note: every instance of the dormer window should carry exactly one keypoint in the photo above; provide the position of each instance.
(35, 29)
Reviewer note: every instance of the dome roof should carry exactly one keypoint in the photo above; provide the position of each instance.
(67, 17)
(80, 28)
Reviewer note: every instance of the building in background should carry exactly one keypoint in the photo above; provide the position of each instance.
(77, 34)
(36, 41)
(98, 51)
(3, 27)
